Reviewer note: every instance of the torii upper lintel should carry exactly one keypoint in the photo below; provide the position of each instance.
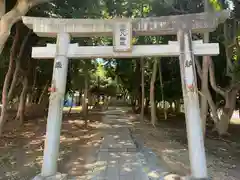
(197, 23)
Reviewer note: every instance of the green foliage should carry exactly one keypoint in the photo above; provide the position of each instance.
(119, 73)
(216, 5)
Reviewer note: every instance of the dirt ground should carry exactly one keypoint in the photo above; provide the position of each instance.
(169, 141)
(21, 149)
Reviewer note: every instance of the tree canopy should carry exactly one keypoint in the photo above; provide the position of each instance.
(114, 73)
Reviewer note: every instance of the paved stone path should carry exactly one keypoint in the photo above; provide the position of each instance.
(118, 157)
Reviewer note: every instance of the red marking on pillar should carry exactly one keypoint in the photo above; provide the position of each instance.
(52, 89)
(152, 88)
(190, 86)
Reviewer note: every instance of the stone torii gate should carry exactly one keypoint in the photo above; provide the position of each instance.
(121, 30)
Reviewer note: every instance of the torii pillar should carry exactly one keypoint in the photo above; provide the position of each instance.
(51, 147)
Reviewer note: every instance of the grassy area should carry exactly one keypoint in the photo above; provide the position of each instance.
(235, 121)
(75, 108)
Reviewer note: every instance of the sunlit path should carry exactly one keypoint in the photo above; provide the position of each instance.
(119, 157)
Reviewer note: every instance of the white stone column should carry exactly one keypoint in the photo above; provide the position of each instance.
(191, 105)
(54, 120)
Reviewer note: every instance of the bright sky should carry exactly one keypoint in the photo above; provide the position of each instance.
(100, 60)
(230, 3)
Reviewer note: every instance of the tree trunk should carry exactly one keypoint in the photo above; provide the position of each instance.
(7, 80)
(171, 106)
(152, 95)
(137, 85)
(177, 106)
(14, 81)
(204, 84)
(133, 103)
(33, 91)
(18, 65)
(143, 89)
(22, 103)
(223, 124)
(230, 102)
(204, 90)
(213, 108)
(2, 8)
(206, 94)
(85, 103)
(162, 90)
(43, 93)
(79, 99)
(146, 108)
(70, 110)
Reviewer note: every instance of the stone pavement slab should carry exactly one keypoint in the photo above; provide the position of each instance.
(119, 158)
(118, 142)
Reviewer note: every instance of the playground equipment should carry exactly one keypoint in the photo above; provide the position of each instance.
(121, 30)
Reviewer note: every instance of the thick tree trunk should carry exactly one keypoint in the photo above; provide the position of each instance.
(9, 19)
(206, 94)
(22, 103)
(143, 89)
(223, 124)
(229, 95)
(152, 95)
(7, 81)
(230, 102)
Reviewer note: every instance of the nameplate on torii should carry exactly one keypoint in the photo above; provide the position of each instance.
(171, 49)
(122, 36)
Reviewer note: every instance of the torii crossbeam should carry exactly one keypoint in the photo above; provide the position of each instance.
(170, 50)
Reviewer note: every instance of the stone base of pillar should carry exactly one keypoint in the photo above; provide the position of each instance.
(57, 176)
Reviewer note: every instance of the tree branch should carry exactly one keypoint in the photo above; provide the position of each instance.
(211, 103)
(10, 18)
(175, 9)
(33, 3)
(197, 36)
(213, 80)
(2, 7)
(237, 43)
